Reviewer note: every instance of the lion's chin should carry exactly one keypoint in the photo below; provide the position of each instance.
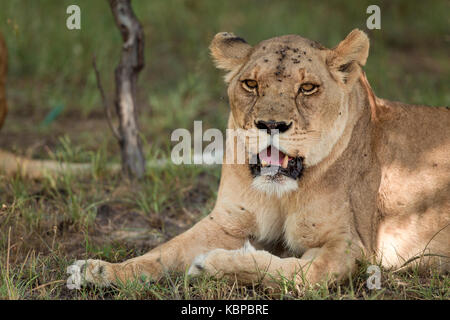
(274, 185)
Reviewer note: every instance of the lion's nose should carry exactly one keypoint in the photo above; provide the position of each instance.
(270, 125)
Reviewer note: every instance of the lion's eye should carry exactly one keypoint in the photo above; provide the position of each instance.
(308, 88)
(250, 84)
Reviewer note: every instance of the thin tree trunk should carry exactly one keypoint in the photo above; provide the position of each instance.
(126, 74)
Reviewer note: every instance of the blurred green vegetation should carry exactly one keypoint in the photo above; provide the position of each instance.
(50, 65)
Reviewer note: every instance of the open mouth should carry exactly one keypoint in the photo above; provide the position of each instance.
(273, 162)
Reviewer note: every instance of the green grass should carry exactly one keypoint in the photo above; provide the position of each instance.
(45, 225)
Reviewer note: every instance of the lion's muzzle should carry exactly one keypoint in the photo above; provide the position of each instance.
(273, 162)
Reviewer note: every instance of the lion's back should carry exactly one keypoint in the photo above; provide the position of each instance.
(413, 148)
(414, 154)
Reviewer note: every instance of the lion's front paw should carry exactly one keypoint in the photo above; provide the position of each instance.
(211, 263)
(88, 271)
(219, 262)
(200, 265)
(197, 265)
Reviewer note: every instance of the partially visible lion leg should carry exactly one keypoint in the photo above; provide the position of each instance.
(423, 242)
(249, 266)
(11, 164)
(174, 255)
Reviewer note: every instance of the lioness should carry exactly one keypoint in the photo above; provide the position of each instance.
(358, 176)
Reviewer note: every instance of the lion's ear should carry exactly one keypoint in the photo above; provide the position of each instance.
(229, 51)
(346, 60)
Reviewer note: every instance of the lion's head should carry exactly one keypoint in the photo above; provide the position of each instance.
(296, 88)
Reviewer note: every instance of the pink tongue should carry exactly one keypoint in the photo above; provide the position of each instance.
(272, 155)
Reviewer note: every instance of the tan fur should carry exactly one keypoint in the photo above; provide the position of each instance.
(376, 182)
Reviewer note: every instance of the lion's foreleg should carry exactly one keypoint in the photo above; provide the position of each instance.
(174, 255)
(248, 265)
